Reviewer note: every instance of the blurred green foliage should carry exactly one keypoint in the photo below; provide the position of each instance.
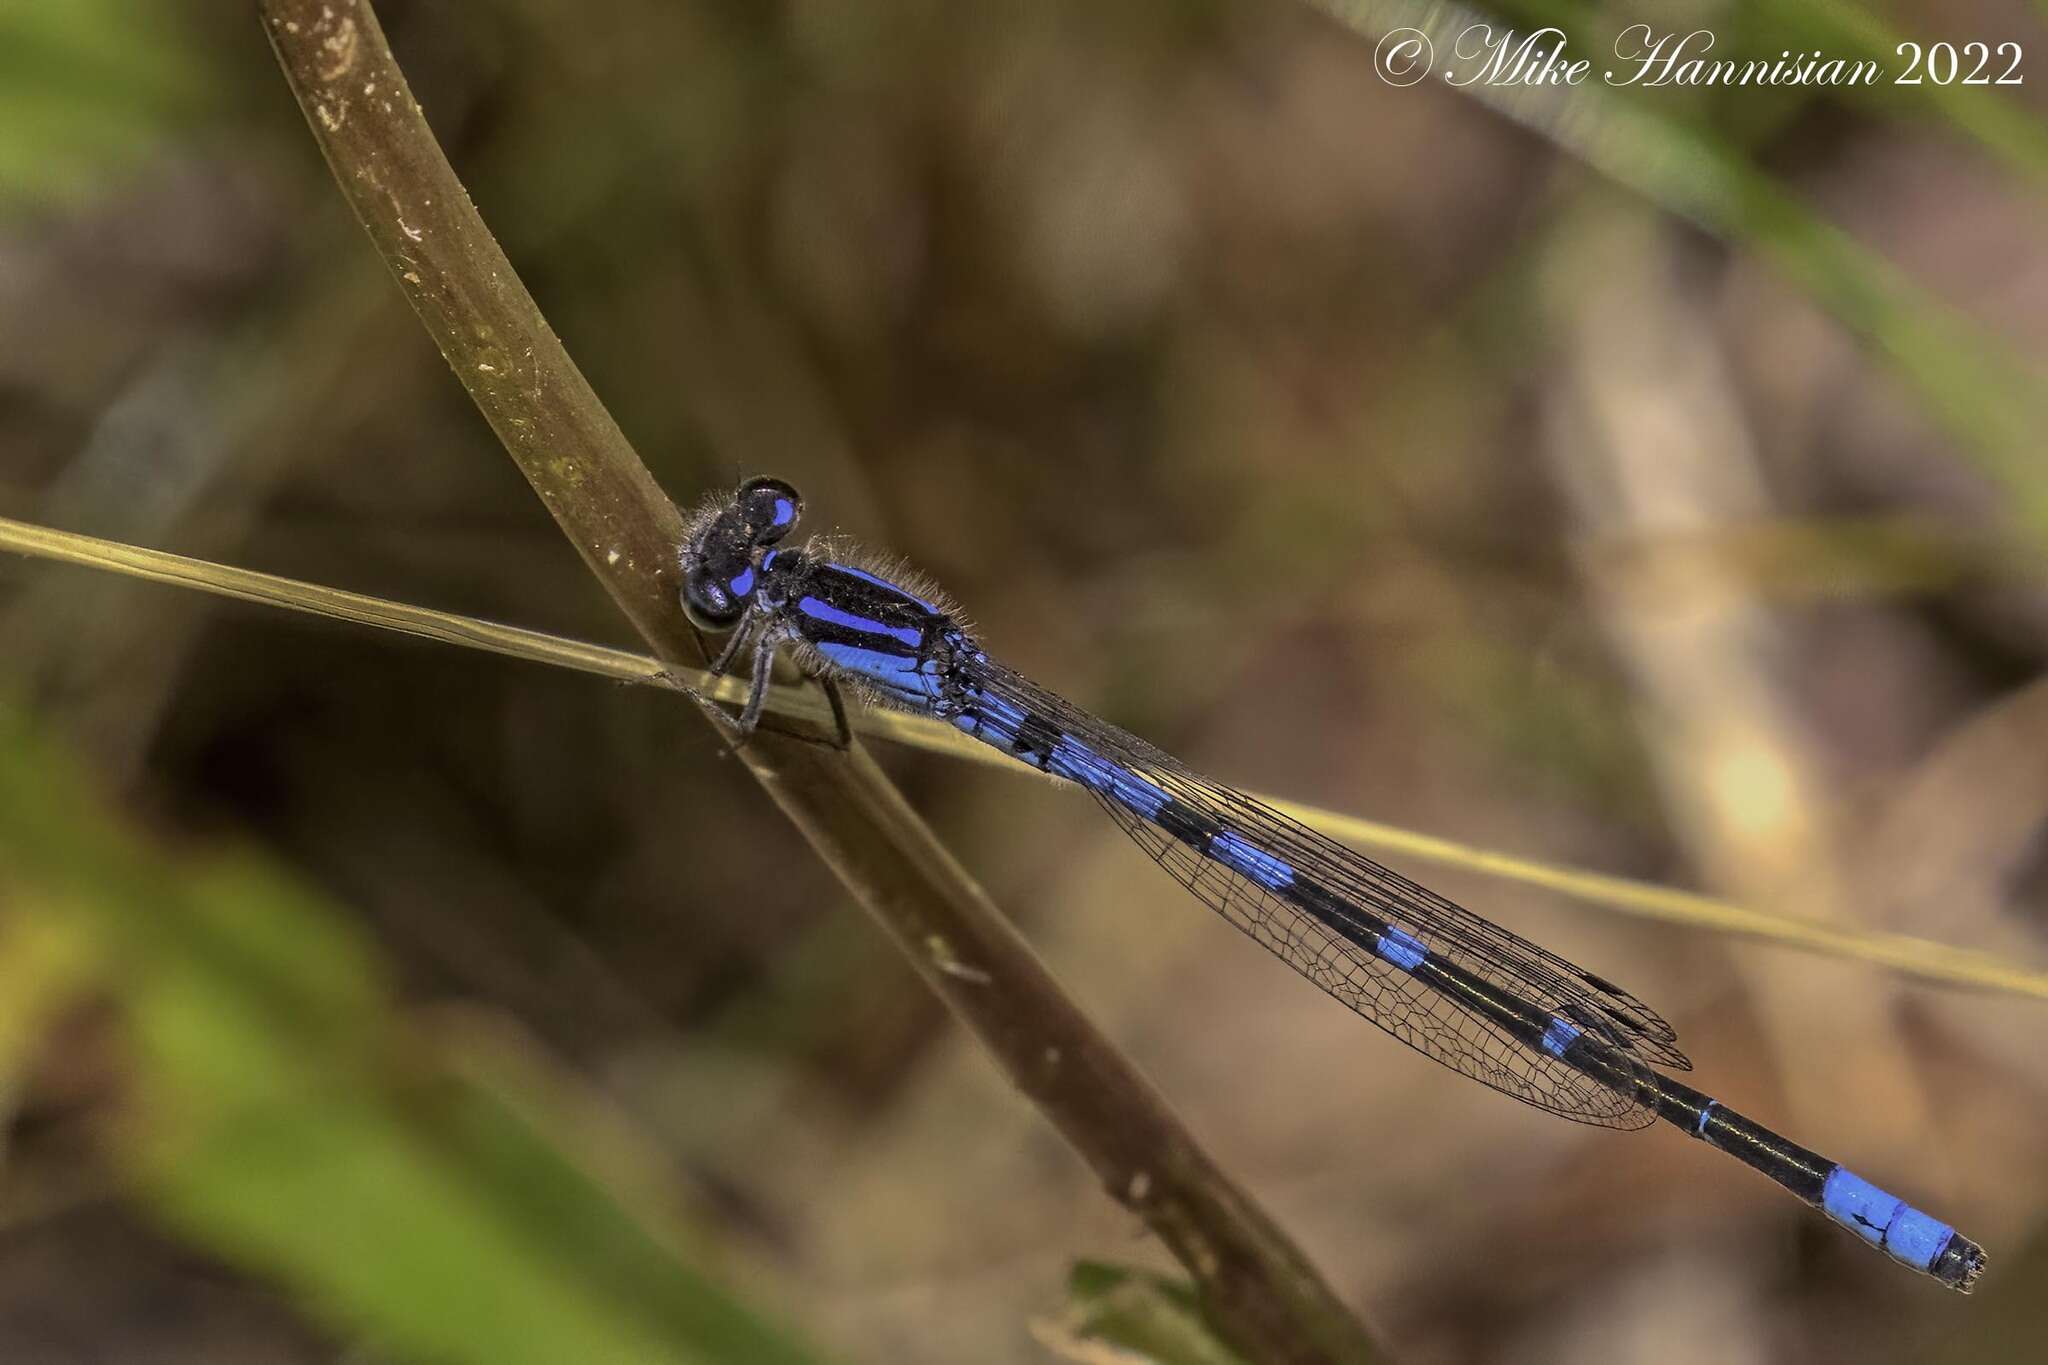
(1138, 1315)
(422, 1184)
(88, 89)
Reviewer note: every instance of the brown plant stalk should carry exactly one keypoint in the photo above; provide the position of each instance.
(1259, 1291)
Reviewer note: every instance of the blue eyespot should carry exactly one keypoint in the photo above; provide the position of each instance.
(766, 509)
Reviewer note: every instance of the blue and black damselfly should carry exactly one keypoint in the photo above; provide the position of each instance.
(1482, 1001)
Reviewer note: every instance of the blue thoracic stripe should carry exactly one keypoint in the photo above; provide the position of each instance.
(1559, 1036)
(1403, 950)
(895, 588)
(742, 583)
(1239, 856)
(819, 610)
(1884, 1220)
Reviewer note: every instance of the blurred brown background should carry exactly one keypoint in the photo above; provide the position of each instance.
(1353, 443)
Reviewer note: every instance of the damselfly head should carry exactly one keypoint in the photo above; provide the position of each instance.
(720, 559)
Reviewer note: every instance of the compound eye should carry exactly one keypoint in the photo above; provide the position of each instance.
(769, 508)
(716, 602)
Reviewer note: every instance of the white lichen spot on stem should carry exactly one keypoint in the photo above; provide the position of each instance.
(339, 49)
(949, 964)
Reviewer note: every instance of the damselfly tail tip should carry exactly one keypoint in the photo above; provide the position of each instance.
(1959, 1264)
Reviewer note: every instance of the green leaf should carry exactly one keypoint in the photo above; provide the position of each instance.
(1114, 1313)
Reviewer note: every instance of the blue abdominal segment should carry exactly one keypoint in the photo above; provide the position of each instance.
(1887, 1222)
(1884, 1220)
(992, 721)
(1559, 1036)
(1403, 950)
(1240, 857)
(1078, 763)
